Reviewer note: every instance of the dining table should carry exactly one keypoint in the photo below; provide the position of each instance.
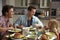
(30, 33)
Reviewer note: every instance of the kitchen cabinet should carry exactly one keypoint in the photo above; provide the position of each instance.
(18, 3)
(44, 3)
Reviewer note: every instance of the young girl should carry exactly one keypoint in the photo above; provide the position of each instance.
(53, 26)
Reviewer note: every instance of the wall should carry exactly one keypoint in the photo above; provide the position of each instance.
(0, 7)
(55, 4)
(10, 2)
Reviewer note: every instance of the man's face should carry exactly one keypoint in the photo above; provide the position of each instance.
(32, 12)
(11, 13)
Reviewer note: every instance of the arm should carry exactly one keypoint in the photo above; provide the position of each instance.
(3, 29)
(39, 23)
(18, 22)
(6, 28)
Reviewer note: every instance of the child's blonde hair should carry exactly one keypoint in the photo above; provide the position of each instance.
(54, 23)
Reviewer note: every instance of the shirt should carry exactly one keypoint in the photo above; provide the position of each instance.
(29, 22)
(22, 20)
(4, 22)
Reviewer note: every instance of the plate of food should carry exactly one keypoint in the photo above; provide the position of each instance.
(31, 35)
(32, 29)
(19, 36)
(14, 30)
(51, 35)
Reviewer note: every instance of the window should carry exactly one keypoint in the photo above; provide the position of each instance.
(44, 3)
(53, 12)
(48, 3)
(21, 3)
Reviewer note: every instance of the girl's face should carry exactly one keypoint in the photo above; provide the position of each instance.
(50, 24)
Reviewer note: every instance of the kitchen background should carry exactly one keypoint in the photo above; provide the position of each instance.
(46, 9)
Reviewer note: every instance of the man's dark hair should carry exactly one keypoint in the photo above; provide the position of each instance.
(6, 8)
(31, 7)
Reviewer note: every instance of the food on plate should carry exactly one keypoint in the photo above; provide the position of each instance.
(44, 37)
(15, 30)
(32, 29)
(50, 34)
(19, 36)
(31, 35)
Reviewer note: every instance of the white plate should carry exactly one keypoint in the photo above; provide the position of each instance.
(17, 30)
(17, 39)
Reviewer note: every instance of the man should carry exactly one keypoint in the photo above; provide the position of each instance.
(7, 13)
(29, 19)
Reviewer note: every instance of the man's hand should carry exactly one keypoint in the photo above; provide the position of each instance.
(10, 28)
(21, 26)
(3, 29)
(37, 26)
